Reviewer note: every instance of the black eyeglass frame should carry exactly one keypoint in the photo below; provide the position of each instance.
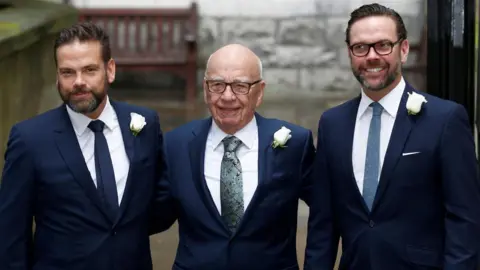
(231, 84)
(372, 45)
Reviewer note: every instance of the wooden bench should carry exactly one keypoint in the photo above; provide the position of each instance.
(160, 40)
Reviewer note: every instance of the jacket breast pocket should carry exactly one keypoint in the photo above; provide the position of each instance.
(279, 189)
(415, 169)
(409, 155)
(146, 162)
(280, 180)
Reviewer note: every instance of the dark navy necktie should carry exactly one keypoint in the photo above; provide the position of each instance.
(106, 184)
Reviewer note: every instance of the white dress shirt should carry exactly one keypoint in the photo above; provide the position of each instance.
(113, 135)
(390, 105)
(247, 153)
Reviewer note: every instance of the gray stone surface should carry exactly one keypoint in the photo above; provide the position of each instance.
(303, 53)
(335, 31)
(331, 81)
(248, 31)
(301, 31)
(337, 7)
(301, 56)
(281, 80)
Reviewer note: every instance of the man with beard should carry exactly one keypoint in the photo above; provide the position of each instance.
(86, 171)
(396, 166)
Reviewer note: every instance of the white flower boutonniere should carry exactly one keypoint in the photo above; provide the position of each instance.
(281, 137)
(137, 123)
(414, 103)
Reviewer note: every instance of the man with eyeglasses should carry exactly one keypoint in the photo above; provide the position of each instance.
(236, 177)
(397, 166)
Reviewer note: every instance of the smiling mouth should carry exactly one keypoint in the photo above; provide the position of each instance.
(374, 70)
(229, 112)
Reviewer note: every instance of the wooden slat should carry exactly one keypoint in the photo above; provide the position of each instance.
(160, 36)
(149, 41)
(137, 44)
(169, 40)
(169, 12)
(157, 49)
(115, 35)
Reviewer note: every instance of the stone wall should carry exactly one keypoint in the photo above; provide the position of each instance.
(302, 49)
(27, 80)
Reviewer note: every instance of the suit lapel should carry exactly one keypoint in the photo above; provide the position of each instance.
(266, 155)
(69, 149)
(350, 131)
(197, 156)
(401, 131)
(123, 116)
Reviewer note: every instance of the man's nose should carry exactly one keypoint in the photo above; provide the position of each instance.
(372, 54)
(79, 81)
(228, 93)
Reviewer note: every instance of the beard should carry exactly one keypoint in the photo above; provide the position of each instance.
(87, 105)
(386, 81)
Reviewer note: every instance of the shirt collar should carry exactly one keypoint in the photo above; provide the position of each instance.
(390, 102)
(247, 134)
(80, 121)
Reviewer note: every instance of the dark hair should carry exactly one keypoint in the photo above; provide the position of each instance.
(84, 31)
(376, 10)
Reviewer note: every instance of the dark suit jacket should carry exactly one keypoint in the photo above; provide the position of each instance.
(266, 237)
(45, 176)
(426, 213)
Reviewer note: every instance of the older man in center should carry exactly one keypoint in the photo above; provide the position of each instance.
(234, 188)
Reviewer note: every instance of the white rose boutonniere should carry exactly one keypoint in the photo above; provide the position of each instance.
(137, 123)
(281, 137)
(414, 103)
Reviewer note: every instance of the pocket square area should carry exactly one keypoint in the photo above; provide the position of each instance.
(410, 153)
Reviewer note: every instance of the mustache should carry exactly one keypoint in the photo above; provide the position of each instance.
(80, 90)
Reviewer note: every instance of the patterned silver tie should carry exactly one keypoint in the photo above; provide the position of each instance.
(231, 185)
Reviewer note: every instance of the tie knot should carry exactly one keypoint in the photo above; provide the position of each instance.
(96, 126)
(231, 143)
(377, 108)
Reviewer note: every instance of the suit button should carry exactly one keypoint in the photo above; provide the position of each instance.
(114, 233)
(371, 223)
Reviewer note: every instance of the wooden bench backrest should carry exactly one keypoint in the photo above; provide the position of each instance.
(162, 36)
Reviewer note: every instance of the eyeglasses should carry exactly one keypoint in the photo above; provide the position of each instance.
(383, 47)
(238, 88)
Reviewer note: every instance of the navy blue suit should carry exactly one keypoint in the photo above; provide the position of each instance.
(45, 177)
(426, 212)
(266, 236)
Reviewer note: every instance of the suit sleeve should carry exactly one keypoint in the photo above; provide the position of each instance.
(163, 213)
(322, 239)
(461, 192)
(16, 207)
